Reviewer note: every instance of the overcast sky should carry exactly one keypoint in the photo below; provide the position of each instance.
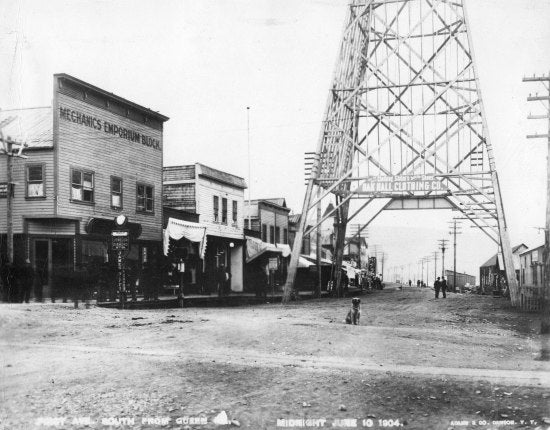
(202, 62)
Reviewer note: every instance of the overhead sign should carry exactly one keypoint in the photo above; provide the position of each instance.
(109, 128)
(400, 184)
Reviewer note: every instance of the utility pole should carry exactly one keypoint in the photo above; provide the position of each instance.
(454, 232)
(435, 255)
(545, 100)
(442, 246)
(8, 149)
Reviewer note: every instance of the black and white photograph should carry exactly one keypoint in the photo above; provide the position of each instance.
(274, 214)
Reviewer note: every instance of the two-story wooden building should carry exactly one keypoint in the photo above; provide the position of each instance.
(218, 199)
(91, 156)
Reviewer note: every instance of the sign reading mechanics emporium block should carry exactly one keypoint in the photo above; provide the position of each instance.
(401, 184)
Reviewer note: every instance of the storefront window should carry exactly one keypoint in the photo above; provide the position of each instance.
(82, 187)
(35, 180)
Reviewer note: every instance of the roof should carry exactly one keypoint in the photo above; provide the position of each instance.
(532, 249)
(279, 202)
(294, 218)
(493, 260)
(218, 175)
(143, 109)
(33, 126)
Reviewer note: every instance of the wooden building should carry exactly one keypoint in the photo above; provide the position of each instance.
(217, 197)
(293, 225)
(92, 155)
(268, 217)
(492, 277)
(462, 279)
(531, 278)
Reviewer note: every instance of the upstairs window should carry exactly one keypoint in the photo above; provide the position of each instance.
(285, 235)
(116, 192)
(224, 210)
(82, 186)
(271, 234)
(145, 198)
(235, 211)
(264, 233)
(35, 180)
(216, 208)
(277, 234)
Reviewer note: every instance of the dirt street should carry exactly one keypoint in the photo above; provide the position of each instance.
(467, 361)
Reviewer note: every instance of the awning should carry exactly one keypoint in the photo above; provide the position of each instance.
(106, 226)
(286, 249)
(255, 247)
(192, 231)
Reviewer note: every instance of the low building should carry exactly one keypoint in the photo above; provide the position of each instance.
(462, 279)
(268, 217)
(218, 198)
(531, 279)
(91, 156)
(293, 225)
(492, 276)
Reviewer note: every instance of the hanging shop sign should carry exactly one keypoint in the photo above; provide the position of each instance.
(107, 127)
(120, 240)
(401, 184)
(3, 190)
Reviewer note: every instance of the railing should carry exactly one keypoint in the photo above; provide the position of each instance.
(530, 298)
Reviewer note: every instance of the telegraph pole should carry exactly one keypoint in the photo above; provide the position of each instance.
(435, 255)
(442, 246)
(545, 99)
(454, 232)
(8, 149)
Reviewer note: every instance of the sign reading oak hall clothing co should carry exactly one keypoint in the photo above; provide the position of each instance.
(401, 184)
(107, 127)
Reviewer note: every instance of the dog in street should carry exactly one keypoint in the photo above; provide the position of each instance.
(355, 312)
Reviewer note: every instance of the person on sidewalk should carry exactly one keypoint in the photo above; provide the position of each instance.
(437, 287)
(444, 287)
(26, 281)
(220, 280)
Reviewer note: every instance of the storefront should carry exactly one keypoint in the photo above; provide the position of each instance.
(91, 157)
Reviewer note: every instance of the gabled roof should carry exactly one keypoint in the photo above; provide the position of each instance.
(33, 126)
(494, 259)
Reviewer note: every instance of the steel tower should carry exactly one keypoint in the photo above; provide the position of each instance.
(404, 125)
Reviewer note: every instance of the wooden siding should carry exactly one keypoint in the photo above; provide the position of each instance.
(51, 227)
(83, 147)
(180, 196)
(178, 173)
(206, 189)
(21, 204)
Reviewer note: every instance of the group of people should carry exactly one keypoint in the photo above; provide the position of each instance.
(440, 285)
(18, 282)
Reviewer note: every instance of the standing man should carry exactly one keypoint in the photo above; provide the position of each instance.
(220, 280)
(26, 281)
(437, 287)
(444, 287)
